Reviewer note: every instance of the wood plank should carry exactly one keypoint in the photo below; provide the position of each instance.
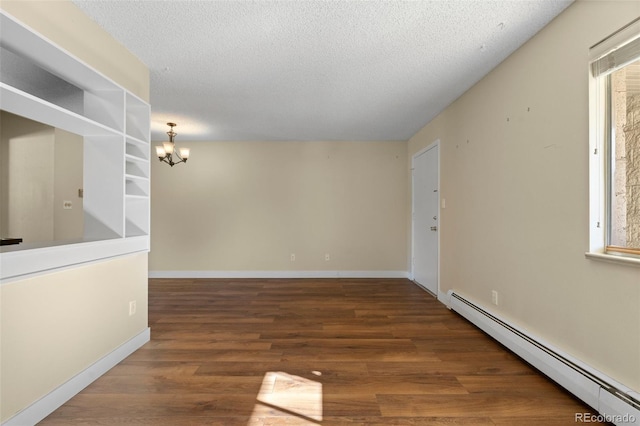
(484, 405)
(330, 351)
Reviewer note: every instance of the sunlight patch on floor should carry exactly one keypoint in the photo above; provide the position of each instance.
(288, 395)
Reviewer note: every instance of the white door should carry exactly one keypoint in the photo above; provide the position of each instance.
(425, 218)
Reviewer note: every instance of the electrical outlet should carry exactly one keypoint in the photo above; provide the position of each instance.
(494, 297)
(293, 257)
(132, 307)
(327, 257)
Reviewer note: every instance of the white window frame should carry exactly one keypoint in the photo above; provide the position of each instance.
(599, 168)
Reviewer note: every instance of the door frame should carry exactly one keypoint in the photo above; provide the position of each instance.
(434, 144)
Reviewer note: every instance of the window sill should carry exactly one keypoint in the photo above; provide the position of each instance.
(624, 260)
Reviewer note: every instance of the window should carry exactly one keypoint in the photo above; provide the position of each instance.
(615, 144)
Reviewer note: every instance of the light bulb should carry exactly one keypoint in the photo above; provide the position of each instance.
(160, 151)
(168, 147)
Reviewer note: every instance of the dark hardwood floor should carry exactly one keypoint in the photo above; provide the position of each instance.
(327, 352)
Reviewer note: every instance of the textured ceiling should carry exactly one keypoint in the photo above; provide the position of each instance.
(314, 70)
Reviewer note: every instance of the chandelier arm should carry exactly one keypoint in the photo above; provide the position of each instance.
(167, 159)
(179, 157)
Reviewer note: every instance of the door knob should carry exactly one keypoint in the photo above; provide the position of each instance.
(435, 218)
(434, 228)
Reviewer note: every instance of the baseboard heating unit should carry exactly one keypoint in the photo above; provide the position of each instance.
(613, 401)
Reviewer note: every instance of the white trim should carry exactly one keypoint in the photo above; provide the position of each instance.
(582, 380)
(626, 260)
(599, 170)
(434, 144)
(21, 263)
(46, 405)
(423, 150)
(278, 274)
(611, 42)
(444, 298)
(616, 410)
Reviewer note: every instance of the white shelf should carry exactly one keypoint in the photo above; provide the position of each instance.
(105, 106)
(44, 83)
(137, 186)
(21, 103)
(138, 150)
(131, 197)
(137, 222)
(137, 118)
(136, 168)
(136, 141)
(23, 74)
(141, 180)
(50, 57)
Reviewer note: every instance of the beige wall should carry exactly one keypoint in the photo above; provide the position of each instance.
(56, 324)
(27, 176)
(67, 179)
(247, 206)
(516, 216)
(40, 167)
(514, 173)
(53, 326)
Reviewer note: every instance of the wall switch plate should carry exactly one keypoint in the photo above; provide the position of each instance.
(293, 257)
(494, 297)
(327, 257)
(132, 307)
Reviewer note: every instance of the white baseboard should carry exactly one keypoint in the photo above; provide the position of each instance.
(443, 297)
(615, 402)
(278, 274)
(46, 405)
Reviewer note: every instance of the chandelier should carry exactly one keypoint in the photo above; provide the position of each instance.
(167, 152)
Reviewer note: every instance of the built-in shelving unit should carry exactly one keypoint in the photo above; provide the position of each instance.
(44, 83)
